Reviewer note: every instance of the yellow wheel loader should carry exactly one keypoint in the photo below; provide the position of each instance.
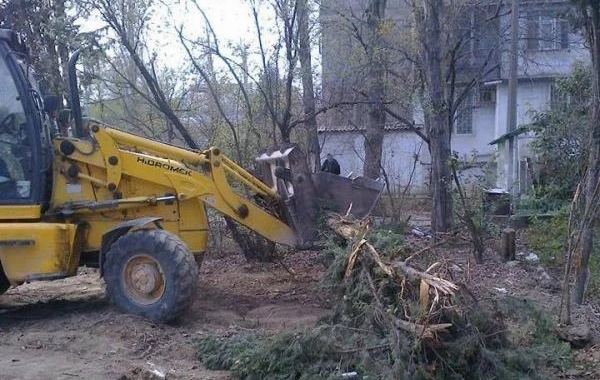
(132, 206)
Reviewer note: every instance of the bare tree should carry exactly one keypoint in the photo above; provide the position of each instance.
(448, 75)
(427, 50)
(590, 15)
(308, 88)
(375, 125)
(437, 123)
(127, 20)
(270, 90)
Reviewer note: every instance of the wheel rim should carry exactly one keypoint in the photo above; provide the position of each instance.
(143, 279)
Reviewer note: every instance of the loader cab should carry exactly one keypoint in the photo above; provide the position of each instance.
(25, 155)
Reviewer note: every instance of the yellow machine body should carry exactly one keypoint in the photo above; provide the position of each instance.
(38, 251)
(129, 205)
(115, 177)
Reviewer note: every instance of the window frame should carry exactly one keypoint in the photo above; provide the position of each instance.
(463, 116)
(537, 41)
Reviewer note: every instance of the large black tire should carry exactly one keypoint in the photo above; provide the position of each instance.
(151, 273)
(4, 283)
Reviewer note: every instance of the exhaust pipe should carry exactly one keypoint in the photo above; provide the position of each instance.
(74, 94)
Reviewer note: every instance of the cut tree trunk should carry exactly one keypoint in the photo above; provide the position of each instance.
(441, 178)
(508, 244)
(374, 130)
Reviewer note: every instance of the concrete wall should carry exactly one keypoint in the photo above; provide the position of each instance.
(477, 143)
(399, 151)
(532, 95)
(406, 158)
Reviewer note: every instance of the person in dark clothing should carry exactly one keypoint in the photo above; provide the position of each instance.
(331, 165)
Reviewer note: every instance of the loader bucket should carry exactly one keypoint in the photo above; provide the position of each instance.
(304, 193)
(356, 196)
(285, 171)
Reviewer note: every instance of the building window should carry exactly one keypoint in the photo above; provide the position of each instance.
(547, 32)
(486, 96)
(558, 98)
(463, 122)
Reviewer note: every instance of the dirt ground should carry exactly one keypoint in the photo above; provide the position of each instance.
(67, 329)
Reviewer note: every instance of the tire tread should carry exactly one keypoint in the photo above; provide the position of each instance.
(166, 247)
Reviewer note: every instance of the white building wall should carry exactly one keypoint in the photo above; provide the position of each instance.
(346, 147)
(406, 161)
(476, 145)
(532, 95)
(552, 63)
(399, 161)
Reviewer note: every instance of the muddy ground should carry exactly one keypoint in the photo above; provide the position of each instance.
(68, 330)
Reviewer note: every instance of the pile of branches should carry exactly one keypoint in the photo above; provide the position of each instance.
(396, 316)
(426, 288)
(407, 320)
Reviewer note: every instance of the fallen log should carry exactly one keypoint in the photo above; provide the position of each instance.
(422, 331)
(444, 286)
(356, 231)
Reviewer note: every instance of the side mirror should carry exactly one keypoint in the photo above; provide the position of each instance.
(51, 104)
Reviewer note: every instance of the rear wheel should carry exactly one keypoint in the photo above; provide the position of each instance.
(151, 273)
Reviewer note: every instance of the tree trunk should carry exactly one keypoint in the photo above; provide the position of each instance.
(437, 121)
(441, 179)
(374, 130)
(593, 171)
(308, 92)
(254, 247)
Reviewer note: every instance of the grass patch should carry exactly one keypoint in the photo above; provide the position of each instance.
(548, 239)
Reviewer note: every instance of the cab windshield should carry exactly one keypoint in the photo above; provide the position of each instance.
(15, 152)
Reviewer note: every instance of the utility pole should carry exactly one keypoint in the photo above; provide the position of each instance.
(511, 118)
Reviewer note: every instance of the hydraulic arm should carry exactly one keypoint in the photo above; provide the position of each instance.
(110, 160)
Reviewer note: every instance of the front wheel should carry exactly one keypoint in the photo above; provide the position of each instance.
(151, 273)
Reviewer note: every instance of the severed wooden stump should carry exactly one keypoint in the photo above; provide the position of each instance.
(508, 244)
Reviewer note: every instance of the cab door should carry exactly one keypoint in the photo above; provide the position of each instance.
(21, 172)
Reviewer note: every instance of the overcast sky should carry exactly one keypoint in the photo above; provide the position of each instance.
(231, 19)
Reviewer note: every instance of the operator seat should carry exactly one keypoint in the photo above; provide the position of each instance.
(8, 187)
